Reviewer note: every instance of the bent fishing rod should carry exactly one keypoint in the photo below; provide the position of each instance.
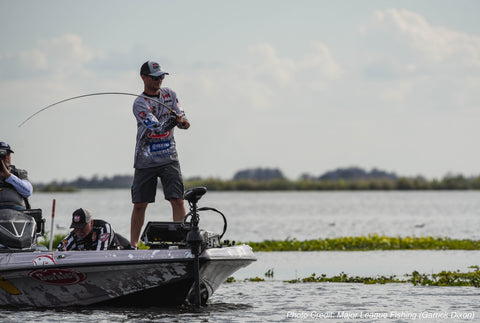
(170, 110)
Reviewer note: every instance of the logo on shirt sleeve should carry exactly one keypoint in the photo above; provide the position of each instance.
(104, 237)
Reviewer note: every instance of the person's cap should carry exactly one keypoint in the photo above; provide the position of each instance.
(151, 68)
(80, 218)
(5, 146)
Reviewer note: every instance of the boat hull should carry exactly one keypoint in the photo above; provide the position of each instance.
(118, 277)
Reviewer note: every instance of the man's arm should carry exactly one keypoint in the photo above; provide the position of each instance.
(181, 120)
(22, 186)
(147, 119)
(68, 243)
(105, 238)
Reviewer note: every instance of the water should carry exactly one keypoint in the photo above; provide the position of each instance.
(257, 216)
(302, 215)
(282, 302)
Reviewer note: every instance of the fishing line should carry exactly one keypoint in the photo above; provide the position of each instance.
(171, 111)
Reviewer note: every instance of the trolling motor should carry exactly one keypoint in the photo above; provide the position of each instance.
(187, 234)
(194, 238)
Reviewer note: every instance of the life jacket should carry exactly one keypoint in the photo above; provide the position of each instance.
(8, 193)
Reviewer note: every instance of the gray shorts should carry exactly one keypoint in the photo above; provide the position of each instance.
(145, 180)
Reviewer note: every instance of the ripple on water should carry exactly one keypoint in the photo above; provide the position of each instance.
(274, 301)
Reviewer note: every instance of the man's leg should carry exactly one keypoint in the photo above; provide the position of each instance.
(178, 209)
(173, 189)
(138, 217)
(144, 187)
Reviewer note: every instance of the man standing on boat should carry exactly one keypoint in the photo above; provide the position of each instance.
(155, 151)
(14, 185)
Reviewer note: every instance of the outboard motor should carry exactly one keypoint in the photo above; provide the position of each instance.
(19, 229)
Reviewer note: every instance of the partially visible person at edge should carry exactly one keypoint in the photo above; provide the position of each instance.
(90, 234)
(155, 151)
(14, 185)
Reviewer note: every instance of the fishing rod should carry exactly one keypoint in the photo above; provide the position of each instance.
(170, 110)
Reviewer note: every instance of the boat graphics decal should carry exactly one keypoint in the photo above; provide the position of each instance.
(43, 260)
(9, 287)
(60, 277)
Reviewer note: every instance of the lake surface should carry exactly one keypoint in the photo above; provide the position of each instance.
(256, 216)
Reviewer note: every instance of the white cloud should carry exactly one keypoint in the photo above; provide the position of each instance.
(266, 65)
(64, 57)
(34, 58)
(320, 62)
(416, 64)
(264, 79)
(435, 45)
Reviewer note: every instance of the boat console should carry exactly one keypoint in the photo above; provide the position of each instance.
(176, 235)
(173, 235)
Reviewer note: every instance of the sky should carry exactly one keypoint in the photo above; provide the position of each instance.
(302, 86)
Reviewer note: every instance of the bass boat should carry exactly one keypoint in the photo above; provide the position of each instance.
(183, 264)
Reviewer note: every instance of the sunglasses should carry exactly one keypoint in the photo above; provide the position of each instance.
(156, 78)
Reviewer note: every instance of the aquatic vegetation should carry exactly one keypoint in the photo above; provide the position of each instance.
(364, 243)
(444, 278)
(269, 273)
(230, 280)
(447, 278)
(344, 278)
(45, 240)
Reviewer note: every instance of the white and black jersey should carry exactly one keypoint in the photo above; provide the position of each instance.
(101, 237)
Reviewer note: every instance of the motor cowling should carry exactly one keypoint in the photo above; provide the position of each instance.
(17, 229)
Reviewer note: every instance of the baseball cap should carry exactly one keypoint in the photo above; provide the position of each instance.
(5, 146)
(80, 218)
(151, 68)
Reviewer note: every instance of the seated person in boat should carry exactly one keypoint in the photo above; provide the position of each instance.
(14, 185)
(90, 234)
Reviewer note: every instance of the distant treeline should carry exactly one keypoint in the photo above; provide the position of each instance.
(117, 181)
(266, 179)
(401, 183)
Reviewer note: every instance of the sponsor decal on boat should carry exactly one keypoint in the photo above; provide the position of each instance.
(9, 287)
(60, 277)
(43, 260)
